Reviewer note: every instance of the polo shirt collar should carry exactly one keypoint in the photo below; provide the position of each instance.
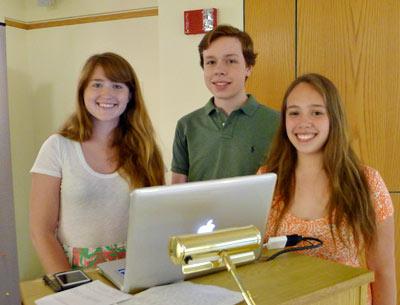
(249, 107)
(210, 107)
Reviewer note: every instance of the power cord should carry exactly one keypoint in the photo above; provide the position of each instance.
(290, 241)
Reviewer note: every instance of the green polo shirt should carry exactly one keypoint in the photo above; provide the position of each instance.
(210, 145)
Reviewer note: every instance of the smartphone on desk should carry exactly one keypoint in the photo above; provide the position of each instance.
(66, 279)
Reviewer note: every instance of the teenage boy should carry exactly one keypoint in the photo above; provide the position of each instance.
(231, 134)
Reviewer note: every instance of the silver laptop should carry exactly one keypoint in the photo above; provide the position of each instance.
(156, 213)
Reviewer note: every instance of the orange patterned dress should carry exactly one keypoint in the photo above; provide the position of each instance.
(320, 228)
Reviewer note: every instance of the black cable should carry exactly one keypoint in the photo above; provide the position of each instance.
(292, 249)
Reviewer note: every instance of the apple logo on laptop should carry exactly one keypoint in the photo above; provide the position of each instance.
(207, 228)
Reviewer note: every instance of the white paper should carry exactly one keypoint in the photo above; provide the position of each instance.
(94, 293)
(186, 293)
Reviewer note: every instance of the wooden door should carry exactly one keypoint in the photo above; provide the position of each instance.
(271, 24)
(357, 45)
(354, 43)
(396, 203)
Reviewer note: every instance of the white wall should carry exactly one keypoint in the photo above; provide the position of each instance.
(43, 68)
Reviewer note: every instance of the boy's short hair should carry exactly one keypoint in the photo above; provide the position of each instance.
(224, 30)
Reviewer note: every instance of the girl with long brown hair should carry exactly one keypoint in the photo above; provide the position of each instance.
(324, 191)
(82, 176)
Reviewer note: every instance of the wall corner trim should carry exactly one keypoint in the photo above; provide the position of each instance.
(110, 16)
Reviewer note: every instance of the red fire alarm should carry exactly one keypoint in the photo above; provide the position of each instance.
(200, 21)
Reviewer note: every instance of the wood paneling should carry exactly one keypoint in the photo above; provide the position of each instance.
(357, 45)
(396, 203)
(16, 24)
(271, 24)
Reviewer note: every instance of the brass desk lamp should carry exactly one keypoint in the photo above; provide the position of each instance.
(201, 252)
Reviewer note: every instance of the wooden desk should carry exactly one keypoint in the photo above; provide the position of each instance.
(289, 279)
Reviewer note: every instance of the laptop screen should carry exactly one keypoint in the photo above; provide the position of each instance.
(156, 213)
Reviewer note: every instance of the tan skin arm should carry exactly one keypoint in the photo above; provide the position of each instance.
(178, 178)
(43, 220)
(380, 258)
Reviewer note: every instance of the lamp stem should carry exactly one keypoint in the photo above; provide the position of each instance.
(230, 266)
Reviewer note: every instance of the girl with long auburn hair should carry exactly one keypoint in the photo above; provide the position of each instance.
(324, 191)
(82, 176)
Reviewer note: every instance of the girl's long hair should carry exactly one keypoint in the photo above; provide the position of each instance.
(138, 156)
(350, 200)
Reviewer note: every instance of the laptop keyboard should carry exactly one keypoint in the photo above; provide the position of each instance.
(121, 271)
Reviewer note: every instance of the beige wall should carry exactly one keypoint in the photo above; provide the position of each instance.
(21, 107)
(43, 67)
(15, 8)
(54, 59)
(68, 8)
(57, 63)
(22, 136)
